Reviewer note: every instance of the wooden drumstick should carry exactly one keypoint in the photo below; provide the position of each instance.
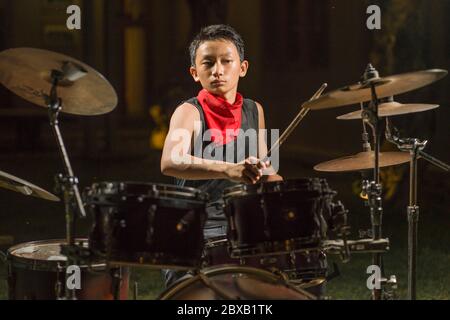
(303, 112)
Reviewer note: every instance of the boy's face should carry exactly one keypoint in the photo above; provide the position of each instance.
(218, 67)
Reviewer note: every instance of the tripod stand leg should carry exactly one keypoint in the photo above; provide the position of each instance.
(413, 218)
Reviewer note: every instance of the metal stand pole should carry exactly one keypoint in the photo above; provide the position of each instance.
(374, 188)
(67, 183)
(415, 147)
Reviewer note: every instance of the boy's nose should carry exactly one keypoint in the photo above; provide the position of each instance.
(218, 70)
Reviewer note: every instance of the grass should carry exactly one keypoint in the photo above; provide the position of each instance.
(433, 276)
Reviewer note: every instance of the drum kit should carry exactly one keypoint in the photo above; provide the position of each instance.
(278, 232)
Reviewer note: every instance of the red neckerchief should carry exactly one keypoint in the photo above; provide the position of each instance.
(221, 115)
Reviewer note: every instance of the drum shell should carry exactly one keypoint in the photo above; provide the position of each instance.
(143, 224)
(36, 279)
(277, 216)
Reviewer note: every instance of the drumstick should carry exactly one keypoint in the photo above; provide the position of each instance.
(303, 112)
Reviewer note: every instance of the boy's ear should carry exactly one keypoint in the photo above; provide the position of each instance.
(194, 74)
(244, 68)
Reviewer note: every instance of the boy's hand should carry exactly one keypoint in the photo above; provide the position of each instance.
(249, 171)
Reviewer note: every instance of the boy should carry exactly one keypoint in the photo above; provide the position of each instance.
(217, 63)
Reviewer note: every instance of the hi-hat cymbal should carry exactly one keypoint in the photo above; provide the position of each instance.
(12, 183)
(26, 72)
(385, 87)
(363, 161)
(390, 109)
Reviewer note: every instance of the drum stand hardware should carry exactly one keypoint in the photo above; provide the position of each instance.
(135, 290)
(66, 183)
(373, 189)
(339, 219)
(117, 280)
(356, 246)
(390, 287)
(415, 147)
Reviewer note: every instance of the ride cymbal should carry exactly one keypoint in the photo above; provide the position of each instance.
(384, 86)
(84, 91)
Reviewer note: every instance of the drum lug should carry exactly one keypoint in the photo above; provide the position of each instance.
(266, 213)
(58, 285)
(116, 283)
(185, 222)
(135, 290)
(154, 192)
(11, 281)
(151, 218)
(293, 258)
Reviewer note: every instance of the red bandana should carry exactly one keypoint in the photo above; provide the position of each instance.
(221, 115)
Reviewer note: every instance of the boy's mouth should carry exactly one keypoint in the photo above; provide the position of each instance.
(218, 82)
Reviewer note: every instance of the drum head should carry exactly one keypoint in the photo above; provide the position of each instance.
(311, 186)
(42, 255)
(119, 191)
(233, 283)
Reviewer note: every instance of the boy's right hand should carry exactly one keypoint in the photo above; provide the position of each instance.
(248, 171)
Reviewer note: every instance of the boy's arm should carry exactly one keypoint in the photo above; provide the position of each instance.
(176, 160)
(262, 148)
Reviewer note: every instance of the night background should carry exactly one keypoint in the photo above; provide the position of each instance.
(293, 46)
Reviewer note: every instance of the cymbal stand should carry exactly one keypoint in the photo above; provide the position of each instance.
(414, 146)
(365, 135)
(66, 183)
(373, 189)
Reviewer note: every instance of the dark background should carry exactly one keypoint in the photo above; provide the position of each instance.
(293, 46)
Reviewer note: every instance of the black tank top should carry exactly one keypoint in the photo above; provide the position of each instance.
(215, 187)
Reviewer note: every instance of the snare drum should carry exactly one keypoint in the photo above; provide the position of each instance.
(277, 217)
(37, 269)
(147, 224)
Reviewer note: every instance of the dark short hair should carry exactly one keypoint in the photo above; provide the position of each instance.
(216, 32)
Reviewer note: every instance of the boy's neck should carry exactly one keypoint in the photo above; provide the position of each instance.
(230, 97)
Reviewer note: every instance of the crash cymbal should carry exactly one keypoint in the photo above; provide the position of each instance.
(26, 72)
(385, 87)
(390, 109)
(12, 183)
(363, 161)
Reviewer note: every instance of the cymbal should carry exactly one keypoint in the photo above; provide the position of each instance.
(385, 87)
(363, 161)
(390, 109)
(12, 183)
(26, 72)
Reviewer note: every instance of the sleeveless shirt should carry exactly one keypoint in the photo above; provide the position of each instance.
(202, 147)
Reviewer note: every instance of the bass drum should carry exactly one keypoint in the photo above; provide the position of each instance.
(36, 268)
(234, 283)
